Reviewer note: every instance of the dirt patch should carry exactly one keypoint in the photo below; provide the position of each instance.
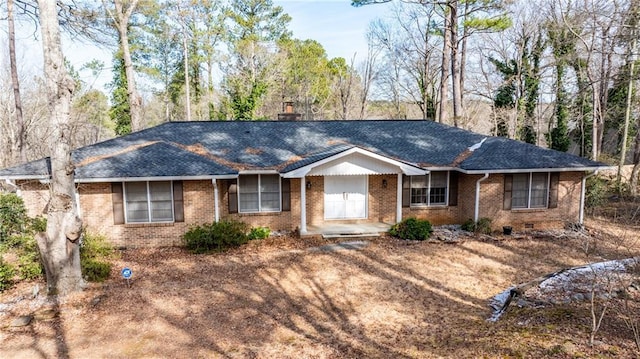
(277, 298)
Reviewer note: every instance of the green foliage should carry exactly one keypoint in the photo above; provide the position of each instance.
(412, 229)
(482, 226)
(29, 263)
(38, 224)
(6, 275)
(217, 236)
(95, 271)
(13, 215)
(259, 233)
(597, 190)
(120, 112)
(95, 252)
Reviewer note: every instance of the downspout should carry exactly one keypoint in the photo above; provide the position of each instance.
(583, 188)
(12, 184)
(303, 205)
(215, 200)
(476, 213)
(399, 199)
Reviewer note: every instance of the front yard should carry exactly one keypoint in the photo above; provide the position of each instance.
(285, 298)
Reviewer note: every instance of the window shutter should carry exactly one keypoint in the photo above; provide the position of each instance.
(285, 186)
(554, 183)
(232, 193)
(406, 191)
(178, 202)
(118, 203)
(453, 188)
(508, 188)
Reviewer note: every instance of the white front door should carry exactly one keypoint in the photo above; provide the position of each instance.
(345, 197)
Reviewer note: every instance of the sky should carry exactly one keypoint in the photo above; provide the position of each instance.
(339, 27)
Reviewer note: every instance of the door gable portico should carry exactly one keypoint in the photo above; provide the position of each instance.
(355, 161)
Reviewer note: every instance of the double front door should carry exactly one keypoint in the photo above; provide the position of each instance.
(345, 197)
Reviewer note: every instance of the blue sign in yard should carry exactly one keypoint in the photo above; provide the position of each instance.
(126, 273)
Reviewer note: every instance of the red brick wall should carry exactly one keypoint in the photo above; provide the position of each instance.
(97, 209)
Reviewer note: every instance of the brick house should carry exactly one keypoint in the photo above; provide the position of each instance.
(147, 188)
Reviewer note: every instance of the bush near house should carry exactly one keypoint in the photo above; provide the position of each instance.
(13, 215)
(259, 233)
(95, 252)
(412, 229)
(482, 226)
(216, 237)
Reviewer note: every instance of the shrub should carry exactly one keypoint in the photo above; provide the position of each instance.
(95, 252)
(259, 233)
(94, 270)
(38, 224)
(596, 192)
(412, 228)
(469, 225)
(6, 275)
(482, 226)
(13, 215)
(216, 236)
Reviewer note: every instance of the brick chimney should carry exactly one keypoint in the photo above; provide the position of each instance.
(287, 113)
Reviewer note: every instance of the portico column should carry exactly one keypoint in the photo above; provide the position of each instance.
(303, 205)
(399, 199)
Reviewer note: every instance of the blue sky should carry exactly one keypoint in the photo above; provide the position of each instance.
(335, 24)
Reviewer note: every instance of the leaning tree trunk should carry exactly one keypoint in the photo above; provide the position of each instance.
(59, 246)
(20, 148)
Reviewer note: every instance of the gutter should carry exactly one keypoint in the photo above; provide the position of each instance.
(216, 196)
(476, 213)
(583, 186)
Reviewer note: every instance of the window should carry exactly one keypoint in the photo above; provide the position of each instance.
(530, 190)
(259, 193)
(430, 190)
(149, 202)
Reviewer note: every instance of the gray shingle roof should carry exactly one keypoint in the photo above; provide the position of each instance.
(191, 149)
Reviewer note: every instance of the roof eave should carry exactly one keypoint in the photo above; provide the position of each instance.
(548, 169)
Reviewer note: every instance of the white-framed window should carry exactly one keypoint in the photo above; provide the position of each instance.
(430, 190)
(147, 202)
(530, 190)
(259, 193)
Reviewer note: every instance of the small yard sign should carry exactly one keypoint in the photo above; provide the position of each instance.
(126, 274)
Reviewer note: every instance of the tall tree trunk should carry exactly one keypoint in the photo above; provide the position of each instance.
(627, 112)
(59, 247)
(446, 63)
(19, 149)
(121, 19)
(456, 91)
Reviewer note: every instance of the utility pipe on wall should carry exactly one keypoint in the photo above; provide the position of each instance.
(215, 200)
(583, 186)
(303, 205)
(476, 213)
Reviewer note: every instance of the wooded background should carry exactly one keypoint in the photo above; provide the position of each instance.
(554, 73)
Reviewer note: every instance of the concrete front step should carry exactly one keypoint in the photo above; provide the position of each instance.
(350, 235)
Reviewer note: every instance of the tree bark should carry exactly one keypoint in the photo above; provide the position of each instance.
(59, 246)
(444, 74)
(456, 91)
(121, 19)
(19, 149)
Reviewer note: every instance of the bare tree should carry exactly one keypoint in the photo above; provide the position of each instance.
(60, 245)
(19, 150)
(121, 15)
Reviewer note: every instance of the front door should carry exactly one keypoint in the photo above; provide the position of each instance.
(345, 197)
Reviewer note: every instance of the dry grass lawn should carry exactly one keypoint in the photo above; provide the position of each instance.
(278, 298)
